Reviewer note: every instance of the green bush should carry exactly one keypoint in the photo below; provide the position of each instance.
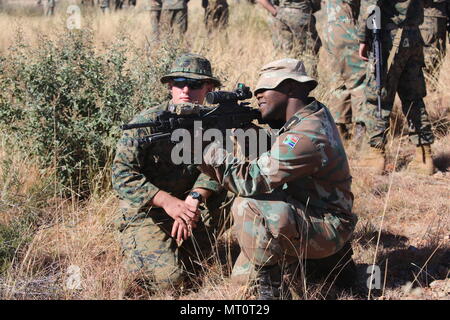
(64, 102)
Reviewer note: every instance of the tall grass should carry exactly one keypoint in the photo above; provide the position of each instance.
(98, 78)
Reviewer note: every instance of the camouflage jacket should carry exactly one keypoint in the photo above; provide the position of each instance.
(394, 13)
(307, 161)
(139, 172)
(342, 11)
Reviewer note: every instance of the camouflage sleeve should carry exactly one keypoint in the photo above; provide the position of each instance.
(292, 156)
(127, 177)
(205, 182)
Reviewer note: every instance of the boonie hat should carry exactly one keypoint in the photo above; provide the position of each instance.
(273, 73)
(191, 66)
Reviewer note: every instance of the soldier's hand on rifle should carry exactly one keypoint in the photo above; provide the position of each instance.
(363, 51)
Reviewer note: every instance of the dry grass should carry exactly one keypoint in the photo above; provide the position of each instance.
(409, 213)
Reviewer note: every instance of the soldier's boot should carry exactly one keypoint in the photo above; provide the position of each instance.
(422, 162)
(374, 159)
(339, 268)
(268, 283)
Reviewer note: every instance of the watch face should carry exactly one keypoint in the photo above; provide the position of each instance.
(196, 195)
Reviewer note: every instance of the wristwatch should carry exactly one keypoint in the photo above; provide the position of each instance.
(197, 196)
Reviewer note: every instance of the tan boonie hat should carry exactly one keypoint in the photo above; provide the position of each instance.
(273, 73)
(192, 66)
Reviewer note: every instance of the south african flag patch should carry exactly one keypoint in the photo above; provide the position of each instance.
(291, 140)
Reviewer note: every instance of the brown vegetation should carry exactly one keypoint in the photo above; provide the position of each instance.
(403, 218)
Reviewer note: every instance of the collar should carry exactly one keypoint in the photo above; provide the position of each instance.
(310, 108)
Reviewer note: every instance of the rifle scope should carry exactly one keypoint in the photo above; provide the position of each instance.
(242, 92)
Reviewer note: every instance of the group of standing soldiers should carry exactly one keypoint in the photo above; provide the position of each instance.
(409, 29)
(413, 36)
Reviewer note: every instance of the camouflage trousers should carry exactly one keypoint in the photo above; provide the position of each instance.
(175, 21)
(404, 77)
(275, 228)
(154, 257)
(49, 7)
(169, 21)
(434, 32)
(216, 14)
(346, 72)
(155, 16)
(295, 29)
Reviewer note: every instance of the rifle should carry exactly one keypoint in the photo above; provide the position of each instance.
(227, 115)
(376, 45)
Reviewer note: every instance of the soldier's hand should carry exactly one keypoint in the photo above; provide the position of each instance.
(183, 217)
(193, 205)
(363, 52)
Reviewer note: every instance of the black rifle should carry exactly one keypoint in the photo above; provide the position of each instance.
(376, 46)
(227, 115)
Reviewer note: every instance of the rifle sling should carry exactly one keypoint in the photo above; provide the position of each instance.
(394, 49)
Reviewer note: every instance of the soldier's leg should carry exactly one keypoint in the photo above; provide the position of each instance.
(151, 255)
(377, 128)
(180, 21)
(412, 90)
(104, 6)
(433, 32)
(274, 229)
(155, 16)
(282, 36)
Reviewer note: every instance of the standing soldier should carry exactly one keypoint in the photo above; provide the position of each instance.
(216, 13)
(174, 16)
(155, 16)
(348, 70)
(159, 201)
(49, 7)
(105, 6)
(294, 25)
(434, 32)
(402, 51)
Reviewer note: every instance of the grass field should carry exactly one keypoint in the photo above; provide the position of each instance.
(45, 237)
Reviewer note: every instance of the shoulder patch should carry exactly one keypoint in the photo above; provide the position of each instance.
(291, 140)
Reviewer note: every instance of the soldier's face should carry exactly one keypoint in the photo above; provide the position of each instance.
(185, 90)
(272, 104)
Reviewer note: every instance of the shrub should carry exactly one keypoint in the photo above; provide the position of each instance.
(64, 102)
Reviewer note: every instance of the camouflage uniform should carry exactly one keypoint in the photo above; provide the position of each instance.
(348, 71)
(400, 21)
(174, 16)
(49, 7)
(294, 201)
(216, 13)
(294, 27)
(434, 31)
(155, 16)
(139, 172)
(105, 6)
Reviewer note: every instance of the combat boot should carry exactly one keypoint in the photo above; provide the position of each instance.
(374, 159)
(422, 162)
(339, 268)
(268, 283)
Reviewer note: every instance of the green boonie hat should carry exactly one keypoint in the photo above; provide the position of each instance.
(191, 66)
(273, 73)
